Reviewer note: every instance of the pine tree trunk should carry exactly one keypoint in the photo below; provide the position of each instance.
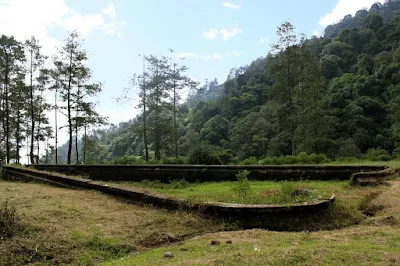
(76, 128)
(38, 137)
(291, 126)
(84, 146)
(55, 124)
(39, 113)
(175, 124)
(157, 127)
(47, 151)
(17, 136)
(69, 109)
(32, 111)
(27, 141)
(157, 133)
(146, 148)
(76, 144)
(7, 110)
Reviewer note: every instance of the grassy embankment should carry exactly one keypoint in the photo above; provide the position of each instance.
(258, 192)
(76, 227)
(374, 241)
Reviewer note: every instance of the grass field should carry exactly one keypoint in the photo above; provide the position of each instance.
(393, 163)
(376, 241)
(64, 226)
(261, 192)
(78, 227)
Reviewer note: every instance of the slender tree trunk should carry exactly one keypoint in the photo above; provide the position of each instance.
(69, 109)
(38, 137)
(17, 136)
(27, 141)
(290, 105)
(175, 124)
(76, 127)
(76, 144)
(39, 114)
(69, 127)
(84, 145)
(7, 113)
(146, 148)
(157, 127)
(55, 123)
(32, 111)
(3, 118)
(47, 151)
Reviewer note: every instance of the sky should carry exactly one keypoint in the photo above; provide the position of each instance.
(212, 35)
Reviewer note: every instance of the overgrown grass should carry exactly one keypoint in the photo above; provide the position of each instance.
(393, 163)
(9, 220)
(78, 227)
(288, 193)
(243, 190)
(349, 209)
(97, 248)
(352, 246)
(374, 243)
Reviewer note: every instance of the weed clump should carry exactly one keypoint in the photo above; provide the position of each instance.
(289, 192)
(292, 192)
(9, 221)
(243, 189)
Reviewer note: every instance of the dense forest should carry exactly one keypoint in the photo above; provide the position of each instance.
(334, 96)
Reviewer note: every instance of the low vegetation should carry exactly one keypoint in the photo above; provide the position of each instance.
(374, 240)
(243, 190)
(9, 220)
(76, 227)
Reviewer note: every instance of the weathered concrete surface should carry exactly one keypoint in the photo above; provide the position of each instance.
(208, 173)
(373, 177)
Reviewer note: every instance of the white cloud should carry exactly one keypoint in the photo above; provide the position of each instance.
(24, 18)
(110, 10)
(345, 7)
(263, 40)
(84, 23)
(231, 5)
(224, 33)
(210, 34)
(234, 53)
(214, 56)
(187, 55)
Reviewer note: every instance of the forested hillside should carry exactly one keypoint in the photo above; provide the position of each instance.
(337, 95)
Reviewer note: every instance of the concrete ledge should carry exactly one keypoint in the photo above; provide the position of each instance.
(228, 210)
(373, 177)
(208, 173)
